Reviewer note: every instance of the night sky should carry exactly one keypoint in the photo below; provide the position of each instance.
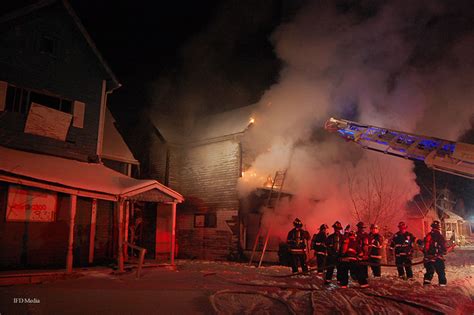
(173, 44)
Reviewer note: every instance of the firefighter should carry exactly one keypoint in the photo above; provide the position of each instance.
(296, 240)
(348, 261)
(434, 249)
(402, 244)
(375, 250)
(362, 239)
(333, 247)
(318, 244)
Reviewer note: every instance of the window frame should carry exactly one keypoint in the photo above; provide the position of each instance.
(210, 220)
(23, 107)
(55, 45)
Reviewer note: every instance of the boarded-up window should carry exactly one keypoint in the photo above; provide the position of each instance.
(33, 205)
(47, 122)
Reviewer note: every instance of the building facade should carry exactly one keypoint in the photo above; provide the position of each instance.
(204, 163)
(59, 205)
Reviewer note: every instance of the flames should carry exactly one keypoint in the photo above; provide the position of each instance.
(257, 180)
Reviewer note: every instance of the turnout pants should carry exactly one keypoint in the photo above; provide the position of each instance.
(362, 273)
(432, 266)
(331, 262)
(298, 259)
(321, 260)
(375, 266)
(403, 263)
(343, 270)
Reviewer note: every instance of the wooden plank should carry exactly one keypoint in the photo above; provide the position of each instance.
(72, 213)
(173, 232)
(120, 261)
(127, 219)
(93, 229)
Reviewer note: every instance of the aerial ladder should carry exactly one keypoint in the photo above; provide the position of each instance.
(443, 155)
(271, 203)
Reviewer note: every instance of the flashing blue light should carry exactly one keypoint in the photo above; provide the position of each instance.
(449, 147)
(347, 134)
(429, 144)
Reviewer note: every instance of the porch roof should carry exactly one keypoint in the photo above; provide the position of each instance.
(70, 176)
(451, 216)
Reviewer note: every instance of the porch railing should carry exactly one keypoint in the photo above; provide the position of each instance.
(141, 256)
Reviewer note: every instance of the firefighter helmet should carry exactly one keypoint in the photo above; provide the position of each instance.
(337, 225)
(361, 225)
(374, 226)
(323, 227)
(297, 223)
(402, 225)
(435, 225)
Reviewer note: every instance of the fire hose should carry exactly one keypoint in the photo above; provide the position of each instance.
(313, 289)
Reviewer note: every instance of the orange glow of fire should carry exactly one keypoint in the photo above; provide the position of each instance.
(251, 120)
(268, 182)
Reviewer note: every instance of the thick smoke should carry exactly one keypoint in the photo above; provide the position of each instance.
(219, 68)
(405, 65)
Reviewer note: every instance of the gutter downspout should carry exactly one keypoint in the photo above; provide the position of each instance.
(100, 132)
(103, 106)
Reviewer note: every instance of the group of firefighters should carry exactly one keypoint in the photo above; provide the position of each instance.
(352, 252)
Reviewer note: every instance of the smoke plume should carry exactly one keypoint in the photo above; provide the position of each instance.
(405, 65)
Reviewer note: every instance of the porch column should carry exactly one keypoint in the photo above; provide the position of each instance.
(120, 206)
(72, 213)
(173, 232)
(127, 220)
(93, 228)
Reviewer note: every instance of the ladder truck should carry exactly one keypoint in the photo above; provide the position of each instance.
(442, 155)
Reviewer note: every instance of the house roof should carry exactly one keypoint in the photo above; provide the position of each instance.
(223, 124)
(85, 179)
(114, 147)
(168, 128)
(207, 127)
(45, 3)
(451, 215)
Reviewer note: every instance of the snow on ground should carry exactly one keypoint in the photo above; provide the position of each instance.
(203, 287)
(306, 294)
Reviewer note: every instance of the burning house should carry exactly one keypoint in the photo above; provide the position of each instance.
(60, 205)
(210, 163)
(204, 163)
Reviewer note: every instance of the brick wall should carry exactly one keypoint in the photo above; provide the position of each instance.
(75, 74)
